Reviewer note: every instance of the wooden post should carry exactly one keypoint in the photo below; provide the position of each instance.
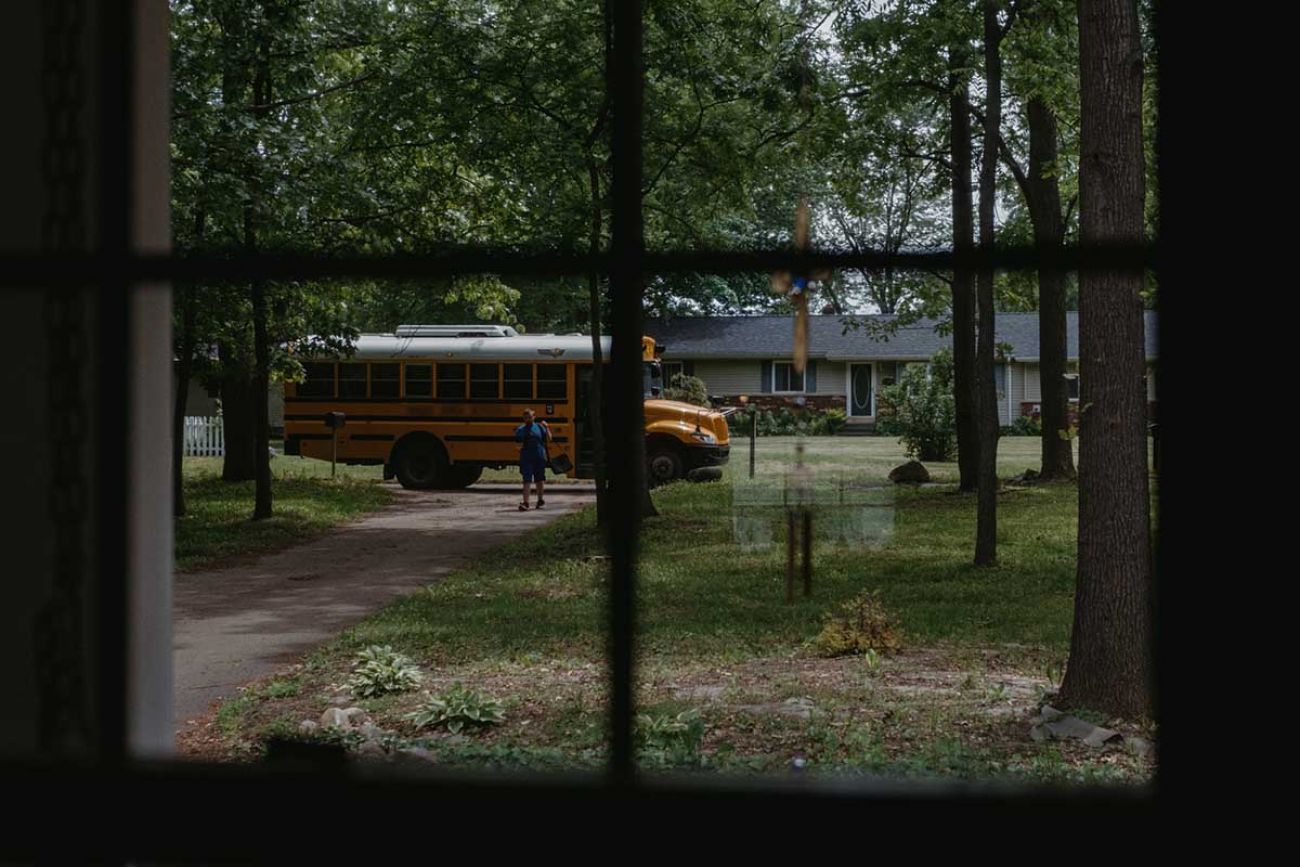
(334, 452)
(807, 551)
(753, 438)
(790, 531)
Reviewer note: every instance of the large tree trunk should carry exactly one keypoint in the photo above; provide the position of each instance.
(261, 337)
(963, 281)
(986, 396)
(1110, 651)
(238, 394)
(183, 372)
(1049, 234)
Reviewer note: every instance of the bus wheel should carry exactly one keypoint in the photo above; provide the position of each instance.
(459, 476)
(663, 465)
(419, 464)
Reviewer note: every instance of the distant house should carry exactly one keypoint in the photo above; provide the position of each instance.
(749, 357)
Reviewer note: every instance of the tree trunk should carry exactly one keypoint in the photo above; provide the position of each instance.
(183, 372)
(986, 397)
(1110, 647)
(237, 417)
(1049, 234)
(963, 281)
(261, 337)
(596, 401)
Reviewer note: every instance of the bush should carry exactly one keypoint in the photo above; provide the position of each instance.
(924, 410)
(862, 624)
(379, 671)
(457, 708)
(1025, 426)
(687, 389)
(674, 738)
(786, 422)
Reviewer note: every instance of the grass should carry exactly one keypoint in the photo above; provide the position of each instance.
(306, 502)
(525, 623)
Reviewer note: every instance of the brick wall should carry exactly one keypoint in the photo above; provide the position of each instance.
(1027, 408)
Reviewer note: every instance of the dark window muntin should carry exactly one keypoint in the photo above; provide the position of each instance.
(785, 379)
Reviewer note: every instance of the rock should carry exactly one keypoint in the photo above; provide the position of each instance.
(354, 715)
(1026, 477)
(1052, 723)
(335, 718)
(307, 726)
(371, 732)
(370, 749)
(419, 753)
(912, 472)
(1047, 714)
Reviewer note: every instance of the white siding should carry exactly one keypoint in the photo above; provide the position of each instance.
(732, 377)
(832, 377)
(1032, 390)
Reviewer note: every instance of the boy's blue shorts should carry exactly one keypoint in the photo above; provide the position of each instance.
(533, 469)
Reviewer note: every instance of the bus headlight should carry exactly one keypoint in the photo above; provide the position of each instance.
(706, 438)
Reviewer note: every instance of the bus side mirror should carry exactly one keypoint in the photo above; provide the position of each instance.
(335, 420)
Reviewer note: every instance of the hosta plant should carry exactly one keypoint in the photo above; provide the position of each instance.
(456, 709)
(380, 670)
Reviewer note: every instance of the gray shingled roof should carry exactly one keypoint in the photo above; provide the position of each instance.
(689, 337)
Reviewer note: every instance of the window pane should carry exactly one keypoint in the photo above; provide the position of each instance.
(519, 381)
(551, 382)
(319, 381)
(484, 381)
(384, 380)
(419, 380)
(451, 381)
(352, 380)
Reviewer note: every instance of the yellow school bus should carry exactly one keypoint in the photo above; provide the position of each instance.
(435, 404)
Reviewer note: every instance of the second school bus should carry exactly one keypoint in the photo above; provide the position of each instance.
(436, 404)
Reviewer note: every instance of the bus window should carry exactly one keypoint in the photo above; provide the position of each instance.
(385, 380)
(484, 381)
(552, 383)
(319, 381)
(451, 381)
(419, 380)
(518, 381)
(352, 380)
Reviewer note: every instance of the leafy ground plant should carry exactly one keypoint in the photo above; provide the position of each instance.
(456, 709)
(380, 670)
(676, 738)
(862, 625)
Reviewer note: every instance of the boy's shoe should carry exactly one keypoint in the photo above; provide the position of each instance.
(523, 507)
(540, 502)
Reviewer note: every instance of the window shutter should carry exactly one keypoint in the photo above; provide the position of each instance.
(810, 377)
(688, 368)
(766, 385)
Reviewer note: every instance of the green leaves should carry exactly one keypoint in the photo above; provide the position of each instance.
(380, 671)
(456, 709)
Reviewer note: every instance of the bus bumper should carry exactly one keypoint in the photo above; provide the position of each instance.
(706, 456)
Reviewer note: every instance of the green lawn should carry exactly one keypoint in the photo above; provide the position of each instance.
(525, 623)
(305, 501)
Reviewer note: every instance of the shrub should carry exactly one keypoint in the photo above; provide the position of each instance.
(380, 670)
(786, 422)
(924, 410)
(687, 389)
(1025, 426)
(862, 624)
(457, 708)
(830, 422)
(676, 738)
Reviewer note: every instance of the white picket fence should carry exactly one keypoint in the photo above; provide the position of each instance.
(204, 436)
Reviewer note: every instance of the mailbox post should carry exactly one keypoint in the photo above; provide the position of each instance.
(334, 421)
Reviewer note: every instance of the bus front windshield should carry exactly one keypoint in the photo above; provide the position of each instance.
(652, 379)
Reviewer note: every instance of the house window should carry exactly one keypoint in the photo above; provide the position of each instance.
(671, 369)
(1072, 385)
(785, 377)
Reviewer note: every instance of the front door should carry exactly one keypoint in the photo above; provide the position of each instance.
(862, 394)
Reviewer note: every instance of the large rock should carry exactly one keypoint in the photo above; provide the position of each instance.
(910, 473)
(335, 717)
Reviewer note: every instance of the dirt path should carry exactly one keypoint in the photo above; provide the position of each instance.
(235, 625)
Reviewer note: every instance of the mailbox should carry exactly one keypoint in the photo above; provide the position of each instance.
(335, 420)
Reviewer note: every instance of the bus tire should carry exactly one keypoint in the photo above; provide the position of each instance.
(663, 464)
(419, 463)
(459, 476)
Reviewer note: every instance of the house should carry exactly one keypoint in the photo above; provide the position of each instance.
(749, 357)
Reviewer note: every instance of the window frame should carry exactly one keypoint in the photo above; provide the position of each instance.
(789, 364)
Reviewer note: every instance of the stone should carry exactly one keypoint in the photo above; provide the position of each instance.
(912, 472)
(371, 732)
(334, 718)
(354, 715)
(1027, 476)
(1047, 713)
(307, 726)
(370, 749)
(1140, 747)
